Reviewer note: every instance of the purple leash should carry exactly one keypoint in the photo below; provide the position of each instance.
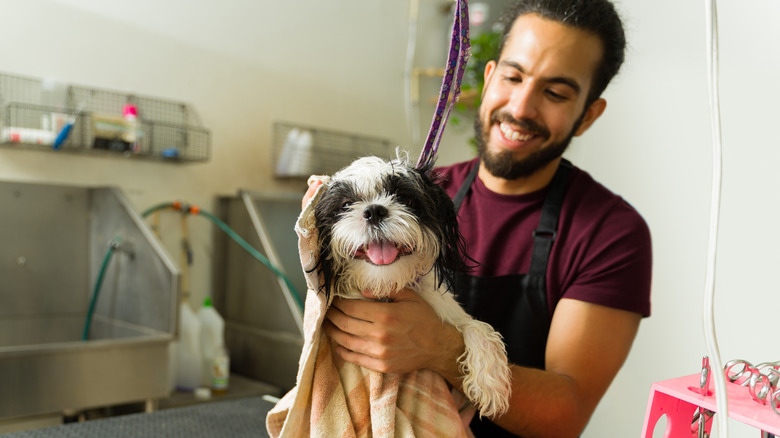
(456, 66)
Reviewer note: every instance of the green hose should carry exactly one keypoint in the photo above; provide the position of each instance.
(219, 223)
(244, 244)
(98, 283)
(240, 241)
(157, 207)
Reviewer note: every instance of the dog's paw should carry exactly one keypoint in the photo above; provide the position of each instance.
(487, 377)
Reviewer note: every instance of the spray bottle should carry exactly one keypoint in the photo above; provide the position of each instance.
(130, 113)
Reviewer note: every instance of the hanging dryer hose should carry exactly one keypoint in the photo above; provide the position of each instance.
(192, 209)
(112, 246)
(708, 311)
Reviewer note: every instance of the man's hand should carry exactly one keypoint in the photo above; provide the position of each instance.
(394, 337)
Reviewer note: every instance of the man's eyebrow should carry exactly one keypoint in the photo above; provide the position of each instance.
(556, 79)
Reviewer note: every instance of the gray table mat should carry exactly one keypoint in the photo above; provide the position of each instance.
(233, 418)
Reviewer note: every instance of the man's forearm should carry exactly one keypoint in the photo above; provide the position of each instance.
(542, 404)
(586, 347)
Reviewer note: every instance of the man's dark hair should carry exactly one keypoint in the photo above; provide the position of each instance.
(597, 17)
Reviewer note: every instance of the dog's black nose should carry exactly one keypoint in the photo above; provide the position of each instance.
(374, 213)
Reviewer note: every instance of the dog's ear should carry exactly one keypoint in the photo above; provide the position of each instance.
(452, 257)
(325, 216)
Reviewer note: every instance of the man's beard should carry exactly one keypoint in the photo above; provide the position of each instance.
(502, 164)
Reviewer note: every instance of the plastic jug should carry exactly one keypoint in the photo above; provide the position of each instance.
(216, 363)
(189, 373)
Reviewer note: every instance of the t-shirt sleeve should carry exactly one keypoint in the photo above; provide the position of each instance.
(617, 270)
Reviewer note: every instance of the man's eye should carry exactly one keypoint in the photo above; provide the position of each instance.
(556, 96)
(513, 79)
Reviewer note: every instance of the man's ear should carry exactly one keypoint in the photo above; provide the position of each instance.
(594, 111)
(490, 68)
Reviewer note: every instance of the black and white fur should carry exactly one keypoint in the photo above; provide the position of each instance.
(385, 225)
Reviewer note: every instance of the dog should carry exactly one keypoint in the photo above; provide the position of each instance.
(386, 225)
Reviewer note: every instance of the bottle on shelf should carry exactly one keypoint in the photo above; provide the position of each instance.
(130, 113)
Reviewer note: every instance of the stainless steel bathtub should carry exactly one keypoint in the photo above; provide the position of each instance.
(54, 240)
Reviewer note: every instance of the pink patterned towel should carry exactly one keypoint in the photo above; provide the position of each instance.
(334, 398)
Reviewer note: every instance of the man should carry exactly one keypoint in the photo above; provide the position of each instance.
(564, 264)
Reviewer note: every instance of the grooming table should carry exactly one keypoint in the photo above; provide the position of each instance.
(243, 417)
(678, 399)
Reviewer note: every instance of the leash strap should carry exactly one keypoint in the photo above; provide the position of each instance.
(456, 65)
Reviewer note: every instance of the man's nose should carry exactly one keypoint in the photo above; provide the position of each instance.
(524, 103)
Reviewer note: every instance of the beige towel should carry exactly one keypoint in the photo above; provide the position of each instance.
(333, 398)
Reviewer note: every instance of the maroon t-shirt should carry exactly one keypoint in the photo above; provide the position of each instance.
(602, 253)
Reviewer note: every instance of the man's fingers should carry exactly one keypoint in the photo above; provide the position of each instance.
(346, 340)
(338, 319)
(361, 310)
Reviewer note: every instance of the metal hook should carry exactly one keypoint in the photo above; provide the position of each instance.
(763, 388)
(741, 377)
(771, 370)
(704, 380)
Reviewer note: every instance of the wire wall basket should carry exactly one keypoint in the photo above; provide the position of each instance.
(34, 113)
(301, 151)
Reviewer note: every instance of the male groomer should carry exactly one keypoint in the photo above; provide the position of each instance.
(564, 264)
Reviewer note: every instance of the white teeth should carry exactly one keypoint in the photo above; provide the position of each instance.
(513, 135)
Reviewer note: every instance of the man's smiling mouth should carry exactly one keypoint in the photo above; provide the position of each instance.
(511, 134)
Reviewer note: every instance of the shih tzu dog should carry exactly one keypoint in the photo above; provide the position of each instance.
(386, 225)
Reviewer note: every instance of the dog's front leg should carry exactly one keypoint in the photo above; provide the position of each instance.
(484, 365)
(486, 373)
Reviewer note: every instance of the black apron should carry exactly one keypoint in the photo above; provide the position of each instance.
(516, 305)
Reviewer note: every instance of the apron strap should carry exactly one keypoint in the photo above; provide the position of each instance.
(544, 235)
(464, 188)
(547, 231)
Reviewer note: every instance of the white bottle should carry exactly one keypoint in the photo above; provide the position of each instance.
(301, 164)
(216, 363)
(130, 113)
(189, 373)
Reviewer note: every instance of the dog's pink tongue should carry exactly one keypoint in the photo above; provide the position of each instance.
(382, 253)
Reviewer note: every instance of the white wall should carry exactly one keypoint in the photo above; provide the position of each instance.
(653, 146)
(241, 64)
(339, 64)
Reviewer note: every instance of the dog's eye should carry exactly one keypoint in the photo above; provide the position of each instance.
(403, 200)
(345, 206)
